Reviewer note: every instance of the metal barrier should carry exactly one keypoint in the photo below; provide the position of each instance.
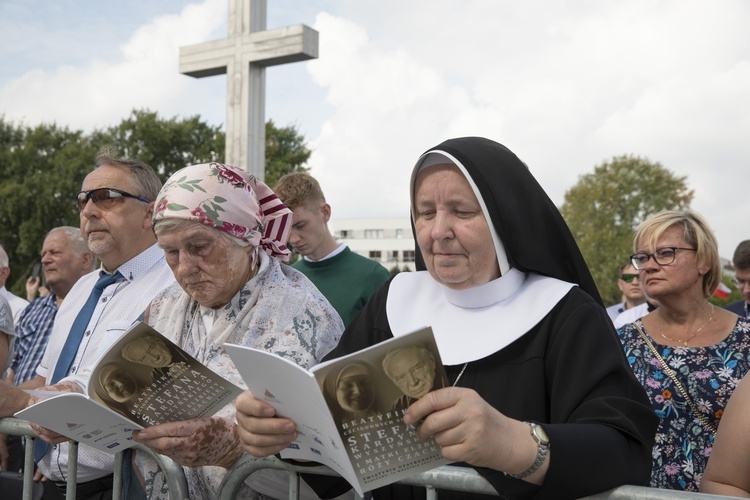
(173, 472)
(446, 477)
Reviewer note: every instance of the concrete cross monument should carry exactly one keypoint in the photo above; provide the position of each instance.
(244, 56)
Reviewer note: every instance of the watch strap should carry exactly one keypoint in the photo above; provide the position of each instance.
(541, 455)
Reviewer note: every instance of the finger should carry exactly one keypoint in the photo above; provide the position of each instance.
(247, 405)
(180, 429)
(430, 403)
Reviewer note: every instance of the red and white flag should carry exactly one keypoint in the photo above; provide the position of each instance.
(722, 291)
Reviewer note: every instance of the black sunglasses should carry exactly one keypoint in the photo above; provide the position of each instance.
(104, 198)
(627, 278)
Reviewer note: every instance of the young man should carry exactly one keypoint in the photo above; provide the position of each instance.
(741, 279)
(345, 278)
(629, 284)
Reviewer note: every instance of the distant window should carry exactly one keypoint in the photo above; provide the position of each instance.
(408, 255)
(375, 254)
(346, 233)
(393, 255)
(399, 233)
(374, 234)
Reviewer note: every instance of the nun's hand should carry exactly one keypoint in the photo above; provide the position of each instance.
(469, 430)
(261, 434)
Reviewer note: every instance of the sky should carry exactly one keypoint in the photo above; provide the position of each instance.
(566, 85)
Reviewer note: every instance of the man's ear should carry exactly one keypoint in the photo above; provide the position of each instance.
(326, 209)
(148, 216)
(4, 273)
(88, 262)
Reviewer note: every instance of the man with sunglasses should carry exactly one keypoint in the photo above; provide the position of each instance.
(629, 284)
(741, 279)
(116, 205)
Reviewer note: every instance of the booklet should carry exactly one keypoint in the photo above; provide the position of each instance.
(143, 379)
(349, 411)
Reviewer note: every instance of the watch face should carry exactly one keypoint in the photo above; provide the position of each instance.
(541, 435)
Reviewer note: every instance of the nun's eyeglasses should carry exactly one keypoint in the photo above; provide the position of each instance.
(662, 256)
(105, 198)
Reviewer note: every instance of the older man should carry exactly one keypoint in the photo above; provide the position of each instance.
(116, 204)
(412, 369)
(741, 278)
(65, 258)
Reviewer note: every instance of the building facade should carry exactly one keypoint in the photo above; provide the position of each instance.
(387, 240)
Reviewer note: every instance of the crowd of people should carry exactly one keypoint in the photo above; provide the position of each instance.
(545, 392)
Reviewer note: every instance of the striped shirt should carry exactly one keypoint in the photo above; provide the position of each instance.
(32, 331)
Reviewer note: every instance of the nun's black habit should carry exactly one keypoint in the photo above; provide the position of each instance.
(539, 345)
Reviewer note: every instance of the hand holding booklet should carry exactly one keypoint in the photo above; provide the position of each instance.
(142, 380)
(349, 411)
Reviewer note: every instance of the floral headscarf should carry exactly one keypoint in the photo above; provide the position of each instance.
(229, 199)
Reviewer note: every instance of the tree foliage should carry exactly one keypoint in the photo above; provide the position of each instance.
(604, 208)
(285, 152)
(42, 168)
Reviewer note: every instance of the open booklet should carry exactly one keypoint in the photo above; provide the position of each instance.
(349, 411)
(143, 379)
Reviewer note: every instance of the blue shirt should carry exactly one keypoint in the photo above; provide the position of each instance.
(32, 334)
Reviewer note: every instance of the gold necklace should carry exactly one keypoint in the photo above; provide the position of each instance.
(685, 342)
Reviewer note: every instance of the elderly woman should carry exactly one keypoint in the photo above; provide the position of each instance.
(543, 403)
(224, 233)
(688, 354)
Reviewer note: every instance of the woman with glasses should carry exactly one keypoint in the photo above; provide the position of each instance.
(687, 354)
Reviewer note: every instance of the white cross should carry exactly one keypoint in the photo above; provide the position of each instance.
(244, 56)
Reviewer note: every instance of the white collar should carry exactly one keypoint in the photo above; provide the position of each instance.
(472, 324)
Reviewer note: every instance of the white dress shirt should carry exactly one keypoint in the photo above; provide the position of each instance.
(119, 306)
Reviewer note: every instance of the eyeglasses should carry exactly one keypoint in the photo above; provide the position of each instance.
(740, 283)
(662, 256)
(104, 198)
(627, 278)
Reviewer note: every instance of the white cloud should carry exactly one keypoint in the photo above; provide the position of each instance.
(101, 93)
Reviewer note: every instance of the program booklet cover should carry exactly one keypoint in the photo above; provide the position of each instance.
(349, 411)
(143, 379)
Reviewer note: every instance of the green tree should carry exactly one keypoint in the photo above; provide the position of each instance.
(41, 169)
(604, 208)
(166, 144)
(286, 152)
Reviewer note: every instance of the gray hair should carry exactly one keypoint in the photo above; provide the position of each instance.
(75, 239)
(144, 177)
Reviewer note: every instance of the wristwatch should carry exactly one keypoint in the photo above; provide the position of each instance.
(542, 441)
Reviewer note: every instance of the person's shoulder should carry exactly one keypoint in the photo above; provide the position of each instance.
(363, 261)
(736, 307)
(14, 300)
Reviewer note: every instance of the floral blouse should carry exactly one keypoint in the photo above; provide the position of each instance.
(710, 374)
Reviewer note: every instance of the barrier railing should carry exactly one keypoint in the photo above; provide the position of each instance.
(446, 477)
(173, 472)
